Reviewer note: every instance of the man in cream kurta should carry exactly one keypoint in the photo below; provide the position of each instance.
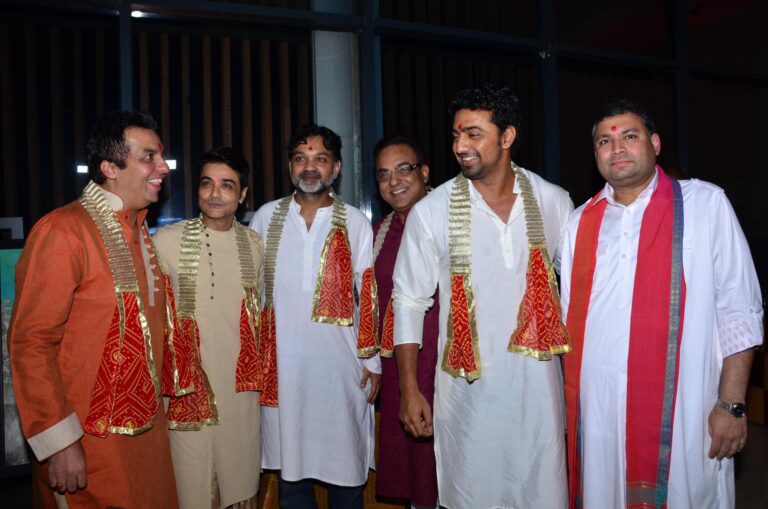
(722, 321)
(226, 456)
(322, 427)
(499, 440)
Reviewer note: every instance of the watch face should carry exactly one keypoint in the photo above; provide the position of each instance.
(739, 410)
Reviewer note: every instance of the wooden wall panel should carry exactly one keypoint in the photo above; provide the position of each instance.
(56, 125)
(267, 161)
(247, 113)
(32, 60)
(7, 126)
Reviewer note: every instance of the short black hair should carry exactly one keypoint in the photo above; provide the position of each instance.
(107, 141)
(397, 139)
(499, 100)
(331, 140)
(232, 158)
(622, 106)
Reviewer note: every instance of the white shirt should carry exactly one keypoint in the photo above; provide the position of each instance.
(499, 441)
(723, 316)
(323, 427)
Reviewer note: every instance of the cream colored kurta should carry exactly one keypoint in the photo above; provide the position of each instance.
(231, 450)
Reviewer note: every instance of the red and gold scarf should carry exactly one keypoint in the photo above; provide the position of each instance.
(655, 331)
(124, 398)
(540, 332)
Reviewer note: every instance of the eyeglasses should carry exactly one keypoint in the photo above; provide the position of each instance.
(402, 170)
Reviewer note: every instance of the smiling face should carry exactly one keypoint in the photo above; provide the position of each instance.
(625, 152)
(313, 167)
(140, 182)
(401, 192)
(479, 147)
(219, 195)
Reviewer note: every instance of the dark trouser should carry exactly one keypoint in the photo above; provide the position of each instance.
(301, 495)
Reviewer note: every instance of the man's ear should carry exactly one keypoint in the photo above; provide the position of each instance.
(508, 137)
(243, 194)
(109, 170)
(336, 169)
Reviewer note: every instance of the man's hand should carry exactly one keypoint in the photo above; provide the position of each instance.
(66, 469)
(729, 433)
(375, 384)
(415, 413)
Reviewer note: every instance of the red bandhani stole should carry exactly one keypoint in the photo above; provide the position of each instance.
(268, 357)
(368, 327)
(124, 399)
(247, 376)
(333, 301)
(387, 347)
(178, 355)
(655, 331)
(462, 353)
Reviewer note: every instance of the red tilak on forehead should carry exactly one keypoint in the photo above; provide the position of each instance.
(458, 126)
(310, 147)
(613, 128)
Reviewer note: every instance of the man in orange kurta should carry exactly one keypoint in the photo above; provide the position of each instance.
(72, 334)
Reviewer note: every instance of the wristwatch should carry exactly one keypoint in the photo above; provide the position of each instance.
(738, 410)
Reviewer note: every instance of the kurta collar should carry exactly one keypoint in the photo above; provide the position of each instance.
(116, 203)
(476, 198)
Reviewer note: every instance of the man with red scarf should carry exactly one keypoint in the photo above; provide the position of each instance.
(663, 309)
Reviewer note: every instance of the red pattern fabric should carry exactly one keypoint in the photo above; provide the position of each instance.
(197, 406)
(540, 331)
(387, 347)
(247, 372)
(175, 351)
(368, 327)
(268, 357)
(124, 395)
(460, 352)
(335, 299)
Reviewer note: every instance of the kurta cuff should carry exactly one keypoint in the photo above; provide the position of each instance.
(373, 364)
(409, 321)
(741, 334)
(56, 438)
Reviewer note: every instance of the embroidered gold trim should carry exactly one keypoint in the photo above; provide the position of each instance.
(338, 221)
(123, 272)
(381, 235)
(274, 233)
(460, 250)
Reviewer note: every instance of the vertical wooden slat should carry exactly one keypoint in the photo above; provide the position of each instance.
(186, 127)
(422, 92)
(143, 72)
(207, 103)
(268, 169)
(404, 95)
(57, 150)
(33, 131)
(302, 77)
(99, 64)
(246, 84)
(439, 124)
(434, 10)
(165, 94)
(285, 107)
(8, 128)
(78, 116)
(226, 92)
(389, 90)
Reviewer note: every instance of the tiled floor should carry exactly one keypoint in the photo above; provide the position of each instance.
(751, 477)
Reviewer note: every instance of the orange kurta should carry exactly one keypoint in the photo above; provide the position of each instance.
(64, 305)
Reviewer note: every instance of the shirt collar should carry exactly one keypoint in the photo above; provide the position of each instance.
(608, 192)
(116, 203)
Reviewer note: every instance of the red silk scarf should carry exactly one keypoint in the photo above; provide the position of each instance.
(368, 326)
(655, 331)
(387, 347)
(247, 371)
(268, 357)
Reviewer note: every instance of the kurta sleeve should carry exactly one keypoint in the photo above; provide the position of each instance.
(47, 277)
(415, 277)
(737, 290)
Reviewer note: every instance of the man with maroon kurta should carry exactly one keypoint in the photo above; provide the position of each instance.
(86, 335)
(406, 465)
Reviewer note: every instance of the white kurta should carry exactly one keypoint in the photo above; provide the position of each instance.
(723, 316)
(323, 427)
(499, 441)
(231, 450)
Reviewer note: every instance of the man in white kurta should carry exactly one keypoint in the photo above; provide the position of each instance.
(217, 462)
(499, 440)
(722, 318)
(323, 426)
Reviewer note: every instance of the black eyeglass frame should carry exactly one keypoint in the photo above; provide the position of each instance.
(403, 170)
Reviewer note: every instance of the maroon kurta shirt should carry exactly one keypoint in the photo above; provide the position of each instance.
(406, 465)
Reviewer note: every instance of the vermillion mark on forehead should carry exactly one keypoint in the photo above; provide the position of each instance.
(458, 126)
(613, 128)
(309, 147)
